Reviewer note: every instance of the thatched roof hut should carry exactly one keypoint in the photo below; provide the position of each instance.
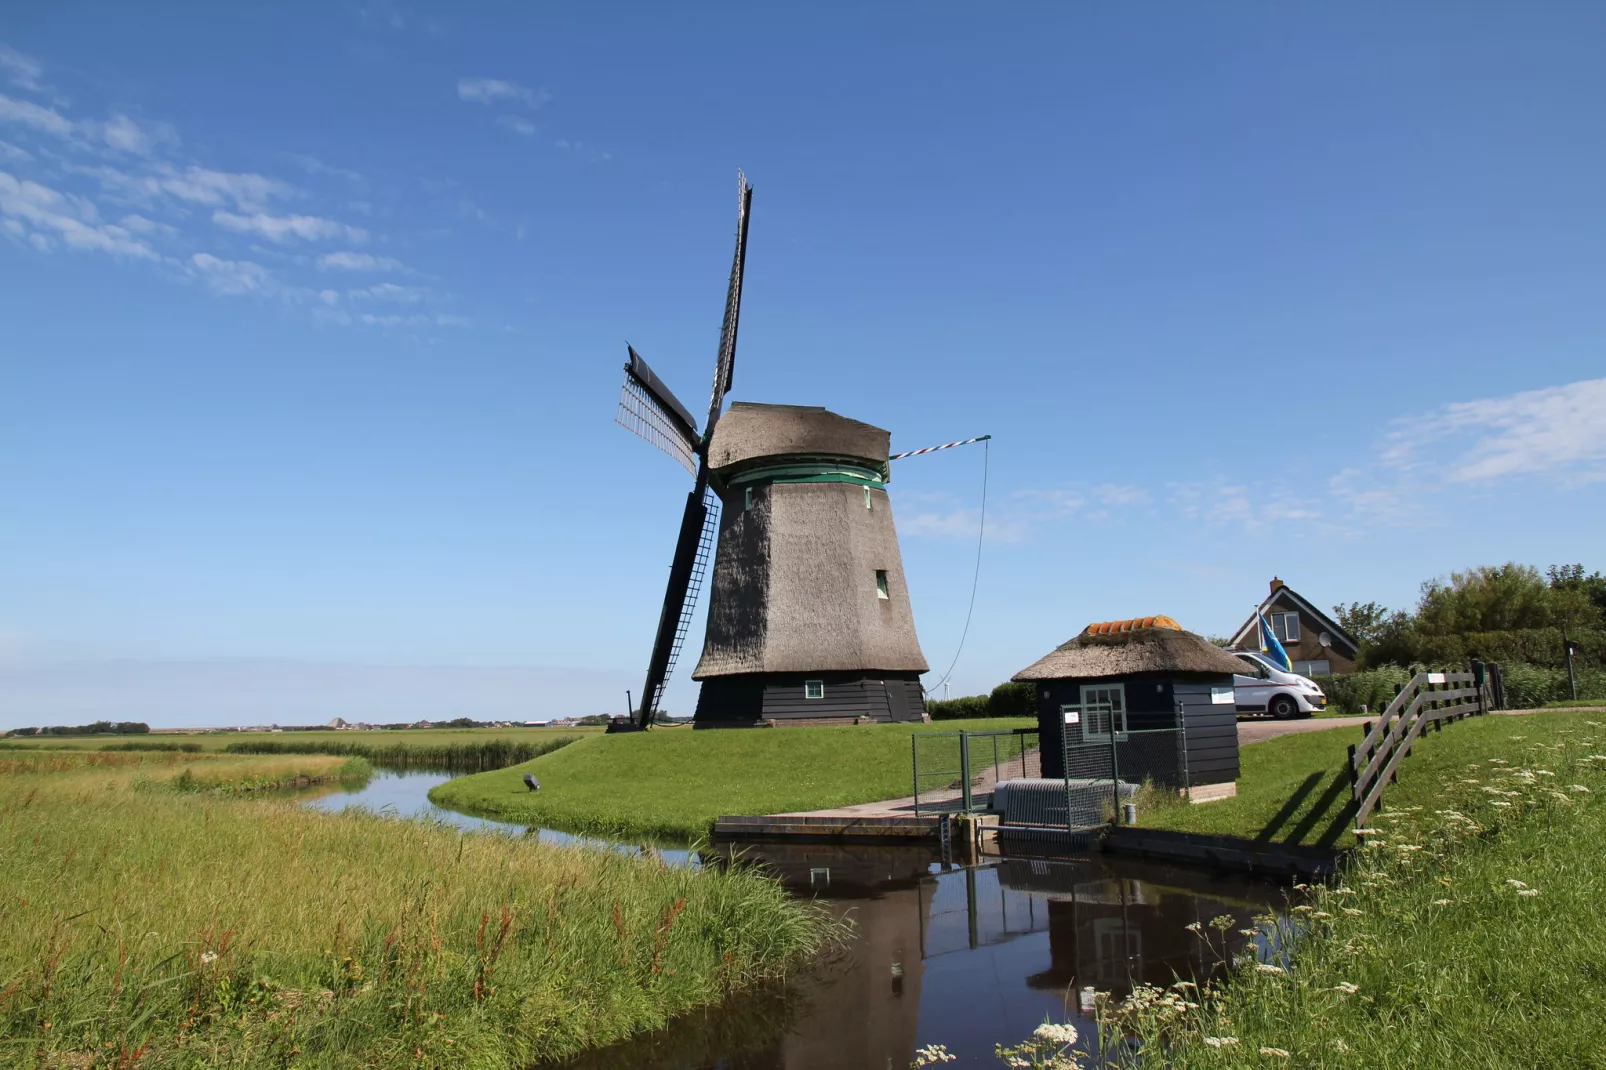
(1158, 698)
(1122, 647)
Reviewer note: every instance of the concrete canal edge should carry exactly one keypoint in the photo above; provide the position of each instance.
(1231, 853)
(1223, 852)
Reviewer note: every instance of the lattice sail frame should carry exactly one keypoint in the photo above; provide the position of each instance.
(641, 414)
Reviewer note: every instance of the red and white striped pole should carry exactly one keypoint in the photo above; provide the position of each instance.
(934, 449)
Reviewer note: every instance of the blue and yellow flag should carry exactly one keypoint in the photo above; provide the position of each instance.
(1270, 646)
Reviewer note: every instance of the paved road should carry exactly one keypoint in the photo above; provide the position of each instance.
(1257, 730)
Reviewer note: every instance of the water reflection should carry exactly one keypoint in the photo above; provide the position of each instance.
(962, 957)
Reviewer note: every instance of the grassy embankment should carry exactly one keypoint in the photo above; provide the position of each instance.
(146, 925)
(1466, 933)
(674, 784)
(1296, 788)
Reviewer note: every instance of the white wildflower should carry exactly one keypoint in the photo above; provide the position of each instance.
(1266, 967)
(1503, 804)
(1577, 787)
(208, 957)
(1407, 847)
(1221, 1042)
(1276, 1053)
(1366, 832)
(1321, 914)
(1352, 912)
(932, 1054)
(1529, 892)
(1347, 988)
(1515, 883)
(1443, 902)
(1056, 1034)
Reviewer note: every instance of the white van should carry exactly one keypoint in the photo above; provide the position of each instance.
(1266, 687)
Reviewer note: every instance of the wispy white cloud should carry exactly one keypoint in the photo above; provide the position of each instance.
(1557, 432)
(391, 293)
(35, 116)
(495, 90)
(522, 127)
(348, 261)
(21, 70)
(44, 218)
(314, 166)
(15, 153)
(232, 277)
(245, 191)
(1252, 507)
(140, 139)
(284, 229)
(140, 225)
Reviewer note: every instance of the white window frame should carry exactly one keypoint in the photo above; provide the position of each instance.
(813, 689)
(1310, 667)
(1287, 627)
(1118, 717)
(881, 588)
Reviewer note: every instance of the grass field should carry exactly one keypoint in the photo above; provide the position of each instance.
(674, 784)
(1295, 788)
(150, 922)
(1466, 934)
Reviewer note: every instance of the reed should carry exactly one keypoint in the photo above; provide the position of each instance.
(475, 756)
(152, 927)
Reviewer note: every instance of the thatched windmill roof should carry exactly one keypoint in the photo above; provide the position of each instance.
(751, 431)
(1123, 647)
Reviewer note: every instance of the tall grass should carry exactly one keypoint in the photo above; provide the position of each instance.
(460, 757)
(154, 928)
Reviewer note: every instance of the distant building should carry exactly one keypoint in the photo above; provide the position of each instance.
(1315, 643)
(337, 723)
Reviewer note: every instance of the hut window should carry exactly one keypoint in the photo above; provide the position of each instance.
(813, 688)
(748, 503)
(1103, 711)
(881, 583)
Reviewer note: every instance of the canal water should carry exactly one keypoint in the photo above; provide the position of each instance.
(964, 957)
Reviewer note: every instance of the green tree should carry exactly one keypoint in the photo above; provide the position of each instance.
(1486, 599)
(1364, 621)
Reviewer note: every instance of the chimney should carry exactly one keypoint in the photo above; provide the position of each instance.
(1276, 585)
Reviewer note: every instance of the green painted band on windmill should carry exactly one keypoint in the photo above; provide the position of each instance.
(823, 472)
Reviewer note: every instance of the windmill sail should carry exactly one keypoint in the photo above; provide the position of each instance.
(694, 547)
(649, 409)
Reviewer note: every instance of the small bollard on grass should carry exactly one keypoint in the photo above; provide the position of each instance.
(531, 783)
(1129, 813)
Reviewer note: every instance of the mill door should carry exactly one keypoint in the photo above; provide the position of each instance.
(897, 699)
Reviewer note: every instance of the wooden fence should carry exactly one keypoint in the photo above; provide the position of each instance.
(1429, 700)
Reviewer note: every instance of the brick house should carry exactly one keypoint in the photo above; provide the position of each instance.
(1315, 643)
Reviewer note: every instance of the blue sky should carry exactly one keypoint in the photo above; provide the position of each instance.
(315, 314)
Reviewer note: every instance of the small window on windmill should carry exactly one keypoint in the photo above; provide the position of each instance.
(881, 583)
(748, 500)
(813, 688)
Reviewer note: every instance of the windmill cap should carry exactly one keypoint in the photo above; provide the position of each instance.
(750, 431)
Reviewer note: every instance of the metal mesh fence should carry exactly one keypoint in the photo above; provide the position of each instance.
(957, 771)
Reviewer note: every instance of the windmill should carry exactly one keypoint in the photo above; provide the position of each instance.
(648, 408)
(810, 619)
